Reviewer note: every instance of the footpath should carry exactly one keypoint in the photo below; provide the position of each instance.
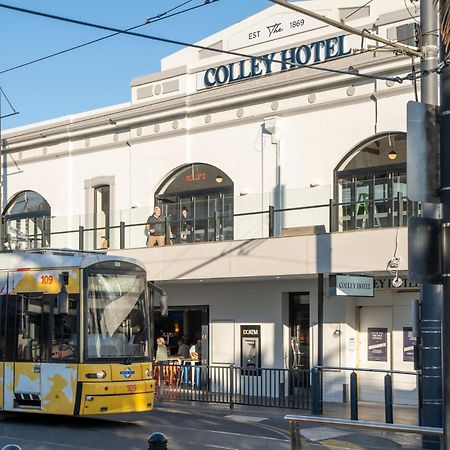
(320, 436)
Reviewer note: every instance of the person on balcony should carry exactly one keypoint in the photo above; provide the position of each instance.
(186, 227)
(155, 229)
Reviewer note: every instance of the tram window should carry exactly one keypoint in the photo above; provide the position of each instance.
(32, 325)
(65, 336)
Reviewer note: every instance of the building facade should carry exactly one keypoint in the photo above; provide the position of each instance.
(277, 153)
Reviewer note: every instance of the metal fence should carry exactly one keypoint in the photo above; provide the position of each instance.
(282, 388)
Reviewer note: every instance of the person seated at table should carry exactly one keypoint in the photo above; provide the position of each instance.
(183, 348)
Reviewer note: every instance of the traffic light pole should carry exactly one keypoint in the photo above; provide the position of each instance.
(445, 198)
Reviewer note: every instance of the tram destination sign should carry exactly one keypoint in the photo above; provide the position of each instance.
(351, 286)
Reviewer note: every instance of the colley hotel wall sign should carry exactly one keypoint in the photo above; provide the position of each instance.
(287, 59)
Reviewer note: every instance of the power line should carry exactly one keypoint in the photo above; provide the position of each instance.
(186, 44)
(157, 18)
(359, 9)
(7, 99)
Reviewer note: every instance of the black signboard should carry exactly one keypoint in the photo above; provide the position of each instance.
(251, 349)
(409, 341)
(377, 344)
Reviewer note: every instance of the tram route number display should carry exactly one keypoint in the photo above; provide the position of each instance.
(377, 344)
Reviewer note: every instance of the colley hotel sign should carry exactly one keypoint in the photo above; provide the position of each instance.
(287, 59)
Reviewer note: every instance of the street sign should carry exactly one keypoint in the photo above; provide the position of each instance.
(423, 166)
(351, 286)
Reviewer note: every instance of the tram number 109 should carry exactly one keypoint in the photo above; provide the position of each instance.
(131, 387)
(47, 279)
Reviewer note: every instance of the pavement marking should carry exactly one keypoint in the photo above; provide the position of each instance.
(224, 432)
(220, 446)
(245, 419)
(337, 443)
(316, 434)
(56, 444)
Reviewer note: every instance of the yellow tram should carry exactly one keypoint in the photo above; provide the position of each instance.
(75, 333)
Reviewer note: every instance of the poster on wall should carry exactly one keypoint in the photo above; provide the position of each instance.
(409, 341)
(377, 344)
(250, 349)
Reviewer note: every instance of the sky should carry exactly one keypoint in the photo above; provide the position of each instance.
(98, 75)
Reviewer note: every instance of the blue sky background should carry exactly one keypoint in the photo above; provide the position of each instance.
(98, 75)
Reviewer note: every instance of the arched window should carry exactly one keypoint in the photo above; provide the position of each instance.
(198, 200)
(27, 222)
(370, 184)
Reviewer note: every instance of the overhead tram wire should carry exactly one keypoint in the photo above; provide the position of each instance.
(150, 20)
(358, 9)
(197, 46)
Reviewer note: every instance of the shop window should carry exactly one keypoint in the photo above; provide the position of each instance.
(370, 185)
(198, 201)
(102, 212)
(27, 222)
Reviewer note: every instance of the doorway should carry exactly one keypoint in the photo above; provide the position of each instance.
(299, 330)
(192, 322)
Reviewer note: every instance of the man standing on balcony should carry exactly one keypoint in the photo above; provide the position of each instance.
(155, 229)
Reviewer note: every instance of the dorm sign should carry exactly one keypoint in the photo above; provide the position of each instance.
(291, 58)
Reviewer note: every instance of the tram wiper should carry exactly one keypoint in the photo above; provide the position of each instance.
(129, 357)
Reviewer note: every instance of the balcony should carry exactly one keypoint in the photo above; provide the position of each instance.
(303, 212)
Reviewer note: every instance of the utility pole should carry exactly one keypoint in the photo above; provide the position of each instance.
(430, 348)
(445, 249)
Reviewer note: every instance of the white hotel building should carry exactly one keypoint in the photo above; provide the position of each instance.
(226, 137)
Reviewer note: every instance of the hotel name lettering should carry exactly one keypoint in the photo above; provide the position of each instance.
(288, 59)
(386, 283)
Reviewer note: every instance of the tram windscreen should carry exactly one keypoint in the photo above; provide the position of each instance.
(116, 316)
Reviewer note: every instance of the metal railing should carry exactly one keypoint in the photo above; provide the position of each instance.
(232, 385)
(339, 217)
(317, 388)
(295, 420)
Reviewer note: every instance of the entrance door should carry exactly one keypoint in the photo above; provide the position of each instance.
(299, 331)
(375, 328)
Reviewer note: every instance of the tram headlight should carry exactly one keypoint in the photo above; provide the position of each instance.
(99, 375)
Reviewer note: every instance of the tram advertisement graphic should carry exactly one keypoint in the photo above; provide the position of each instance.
(377, 344)
(250, 349)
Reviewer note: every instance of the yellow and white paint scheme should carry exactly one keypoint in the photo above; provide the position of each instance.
(63, 387)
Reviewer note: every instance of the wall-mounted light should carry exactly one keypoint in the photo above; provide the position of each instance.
(392, 155)
(219, 179)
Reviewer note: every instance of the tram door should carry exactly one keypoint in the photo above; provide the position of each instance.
(30, 316)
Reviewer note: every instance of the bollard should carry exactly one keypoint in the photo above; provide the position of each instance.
(316, 395)
(157, 441)
(388, 409)
(11, 447)
(354, 396)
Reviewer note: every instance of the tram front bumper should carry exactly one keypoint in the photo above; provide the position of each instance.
(117, 397)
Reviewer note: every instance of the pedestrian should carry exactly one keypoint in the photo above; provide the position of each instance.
(155, 229)
(161, 351)
(186, 227)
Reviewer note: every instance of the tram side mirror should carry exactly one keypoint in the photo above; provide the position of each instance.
(162, 297)
(164, 307)
(63, 299)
